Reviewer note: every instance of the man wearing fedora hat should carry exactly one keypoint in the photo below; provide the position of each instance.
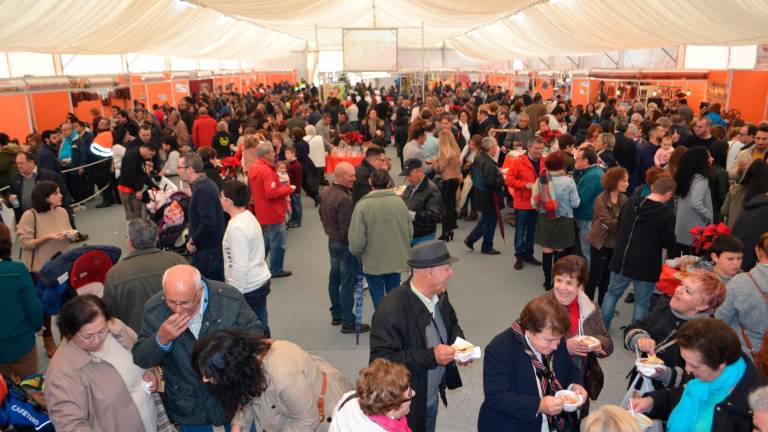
(423, 200)
(415, 325)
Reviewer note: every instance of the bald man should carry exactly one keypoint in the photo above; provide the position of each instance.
(336, 213)
(188, 308)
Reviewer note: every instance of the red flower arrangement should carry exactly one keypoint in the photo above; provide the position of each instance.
(550, 137)
(704, 236)
(353, 137)
(229, 167)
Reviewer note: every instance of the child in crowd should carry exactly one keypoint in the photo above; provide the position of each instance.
(726, 254)
(282, 172)
(295, 174)
(661, 159)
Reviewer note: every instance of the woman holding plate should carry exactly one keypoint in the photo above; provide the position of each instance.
(698, 295)
(524, 369)
(586, 338)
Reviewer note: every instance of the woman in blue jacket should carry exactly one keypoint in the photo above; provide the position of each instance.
(21, 314)
(524, 367)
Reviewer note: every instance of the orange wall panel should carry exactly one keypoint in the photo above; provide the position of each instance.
(139, 93)
(49, 109)
(748, 94)
(158, 93)
(13, 116)
(83, 110)
(177, 87)
(580, 92)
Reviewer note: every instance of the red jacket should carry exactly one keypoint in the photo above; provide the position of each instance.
(521, 172)
(267, 194)
(203, 130)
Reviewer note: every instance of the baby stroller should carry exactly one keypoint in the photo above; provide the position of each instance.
(22, 410)
(171, 219)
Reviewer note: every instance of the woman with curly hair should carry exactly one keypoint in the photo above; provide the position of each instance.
(274, 383)
(381, 402)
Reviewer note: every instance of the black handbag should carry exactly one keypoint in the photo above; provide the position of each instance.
(593, 376)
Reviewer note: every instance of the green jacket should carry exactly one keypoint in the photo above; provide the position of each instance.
(380, 233)
(186, 398)
(589, 186)
(20, 309)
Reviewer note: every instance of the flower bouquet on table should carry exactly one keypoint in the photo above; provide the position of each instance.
(704, 236)
(550, 138)
(352, 139)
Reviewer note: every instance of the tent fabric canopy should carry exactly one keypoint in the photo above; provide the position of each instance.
(167, 27)
(583, 27)
(267, 29)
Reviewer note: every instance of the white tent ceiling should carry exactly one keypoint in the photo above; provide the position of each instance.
(482, 29)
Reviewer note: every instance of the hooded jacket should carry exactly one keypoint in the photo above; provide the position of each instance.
(645, 227)
(750, 225)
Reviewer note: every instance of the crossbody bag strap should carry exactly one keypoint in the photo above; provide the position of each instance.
(744, 336)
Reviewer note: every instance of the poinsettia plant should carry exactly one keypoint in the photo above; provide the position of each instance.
(704, 236)
(229, 167)
(550, 137)
(353, 137)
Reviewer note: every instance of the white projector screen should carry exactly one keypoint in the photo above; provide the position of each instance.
(370, 50)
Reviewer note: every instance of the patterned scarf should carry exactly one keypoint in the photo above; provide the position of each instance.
(548, 382)
(543, 195)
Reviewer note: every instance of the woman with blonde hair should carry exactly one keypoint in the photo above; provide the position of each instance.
(448, 166)
(610, 418)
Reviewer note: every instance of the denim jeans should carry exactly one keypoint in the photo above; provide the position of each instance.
(295, 209)
(275, 242)
(616, 288)
(257, 300)
(585, 226)
(210, 262)
(422, 239)
(525, 230)
(485, 228)
(431, 415)
(381, 285)
(341, 282)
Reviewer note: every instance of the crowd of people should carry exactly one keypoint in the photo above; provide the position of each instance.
(614, 194)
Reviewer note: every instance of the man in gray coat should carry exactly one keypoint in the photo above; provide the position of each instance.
(423, 200)
(137, 277)
(188, 309)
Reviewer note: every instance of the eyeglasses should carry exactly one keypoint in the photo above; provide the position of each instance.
(93, 336)
(181, 167)
(182, 304)
(411, 394)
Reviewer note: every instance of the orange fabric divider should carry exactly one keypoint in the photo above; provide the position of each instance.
(139, 93)
(749, 94)
(580, 92)
(179, 95)
(13, 116)
(83, 110)
(547, 93)
(49, 109)
(158, 93)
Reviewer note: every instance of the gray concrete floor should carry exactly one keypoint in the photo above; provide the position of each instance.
(487, 293)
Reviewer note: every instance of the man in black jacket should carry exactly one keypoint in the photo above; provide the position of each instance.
(423, 200)
(375, 158)
(646, 226)
(624, 152)
(133, 178)
(486, 181)
(415, 325)
(206, 218)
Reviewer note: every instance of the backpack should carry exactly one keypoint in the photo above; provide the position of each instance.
(760, 358)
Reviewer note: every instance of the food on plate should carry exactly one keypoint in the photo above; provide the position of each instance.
(651, 360)
(463, 348)
(569, 398)
(588, 340)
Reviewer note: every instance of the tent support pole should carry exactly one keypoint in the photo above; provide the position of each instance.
(423, 69)
(664, 50)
